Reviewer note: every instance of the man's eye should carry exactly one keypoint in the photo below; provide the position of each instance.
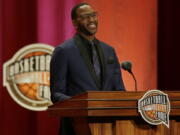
(87, 16)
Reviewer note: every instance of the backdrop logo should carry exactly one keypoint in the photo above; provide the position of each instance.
(154, 107)
(27, 78)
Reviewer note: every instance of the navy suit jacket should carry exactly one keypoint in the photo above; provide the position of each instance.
(72, 71)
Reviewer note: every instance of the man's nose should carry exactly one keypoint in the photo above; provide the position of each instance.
(91, 18)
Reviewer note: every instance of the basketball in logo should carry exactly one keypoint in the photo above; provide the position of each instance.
(27, 76)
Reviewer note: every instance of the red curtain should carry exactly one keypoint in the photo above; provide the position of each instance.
(22, 23)
(129, 26)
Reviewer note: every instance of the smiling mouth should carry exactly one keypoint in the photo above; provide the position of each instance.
(92, 26)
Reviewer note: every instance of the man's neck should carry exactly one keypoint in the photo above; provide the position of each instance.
(89, 38)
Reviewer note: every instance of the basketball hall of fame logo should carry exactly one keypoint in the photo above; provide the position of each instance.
(154, 107)
(27, 76)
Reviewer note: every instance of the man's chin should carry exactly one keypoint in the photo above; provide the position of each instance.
(91, 33)
(88, 32)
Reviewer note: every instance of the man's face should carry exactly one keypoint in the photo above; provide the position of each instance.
(86, 21)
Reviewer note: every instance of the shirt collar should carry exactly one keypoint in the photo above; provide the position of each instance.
(95, 41)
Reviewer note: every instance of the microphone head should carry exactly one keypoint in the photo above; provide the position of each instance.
(126, 66)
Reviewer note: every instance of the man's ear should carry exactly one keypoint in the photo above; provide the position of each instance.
(74, 22)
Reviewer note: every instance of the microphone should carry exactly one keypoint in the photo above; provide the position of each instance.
(128, 67)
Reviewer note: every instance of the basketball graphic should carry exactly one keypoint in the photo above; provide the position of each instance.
(27, 76)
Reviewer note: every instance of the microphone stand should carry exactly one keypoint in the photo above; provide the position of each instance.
(127, 66)
(134, 80)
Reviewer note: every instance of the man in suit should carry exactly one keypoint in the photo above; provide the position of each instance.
(83, 62)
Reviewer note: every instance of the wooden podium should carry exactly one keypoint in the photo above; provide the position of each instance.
(114, 113)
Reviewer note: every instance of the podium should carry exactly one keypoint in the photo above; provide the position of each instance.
(114, 113)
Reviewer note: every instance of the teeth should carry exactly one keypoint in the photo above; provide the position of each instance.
(92, 25)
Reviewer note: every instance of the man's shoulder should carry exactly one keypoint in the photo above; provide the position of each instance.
(105, 45)
(65, 48)
(67, 44)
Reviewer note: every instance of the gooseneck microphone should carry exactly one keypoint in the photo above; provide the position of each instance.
(128, 67)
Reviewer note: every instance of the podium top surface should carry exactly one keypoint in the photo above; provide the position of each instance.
(108, 103)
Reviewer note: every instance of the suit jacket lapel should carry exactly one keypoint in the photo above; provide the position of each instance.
(86, 58)
(102, 61)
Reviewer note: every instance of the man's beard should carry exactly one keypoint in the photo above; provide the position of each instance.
(85, 31)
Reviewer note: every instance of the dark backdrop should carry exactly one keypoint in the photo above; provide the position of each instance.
(169, 45)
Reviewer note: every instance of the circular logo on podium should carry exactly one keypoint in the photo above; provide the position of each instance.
(154, 107)
(27, 76)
